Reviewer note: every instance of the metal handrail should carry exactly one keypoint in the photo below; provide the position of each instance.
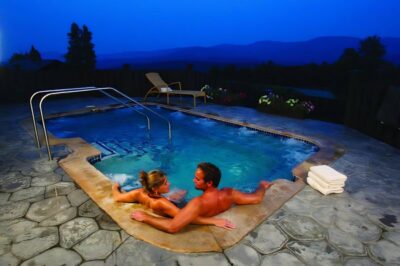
(33, 113)
(72, 89)
(68, 91)
(148, 109)
(126, 105)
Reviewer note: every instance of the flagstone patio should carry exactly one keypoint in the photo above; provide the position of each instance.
(45, 219)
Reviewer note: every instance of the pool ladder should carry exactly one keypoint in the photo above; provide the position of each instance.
(86, 89)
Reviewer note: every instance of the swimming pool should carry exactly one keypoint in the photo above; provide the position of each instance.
(245, 156)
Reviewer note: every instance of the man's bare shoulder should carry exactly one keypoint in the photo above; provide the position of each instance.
(196, 200)
(226, 190)
(195, 205)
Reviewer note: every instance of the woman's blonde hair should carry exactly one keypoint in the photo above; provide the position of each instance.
(152, 179)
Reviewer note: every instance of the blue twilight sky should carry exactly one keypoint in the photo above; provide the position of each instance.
(128, 25)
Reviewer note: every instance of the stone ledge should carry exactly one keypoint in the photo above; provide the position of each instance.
(208, 238)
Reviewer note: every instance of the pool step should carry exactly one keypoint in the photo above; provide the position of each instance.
(117, 147)
(106, 151)
(111, 148)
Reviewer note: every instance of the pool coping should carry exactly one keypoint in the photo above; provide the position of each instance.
(194, 238)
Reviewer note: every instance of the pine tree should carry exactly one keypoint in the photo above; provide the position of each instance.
(34, 55)
(74, 54)
(80, 53)
(88, 54)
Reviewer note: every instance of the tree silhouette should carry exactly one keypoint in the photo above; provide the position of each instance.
(17, 57)
(88, 54)
(80, 53)
(349, 60)
(372, 52)
(73, 56)
(34, 54)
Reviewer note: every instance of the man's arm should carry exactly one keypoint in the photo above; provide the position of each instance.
(219, 222)
(183, 218)
(171, 210)
(241, 198)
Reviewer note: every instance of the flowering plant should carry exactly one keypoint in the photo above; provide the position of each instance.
(277, 104)
(308, 105)
(213, 93)
(223, 96)
(269, 99)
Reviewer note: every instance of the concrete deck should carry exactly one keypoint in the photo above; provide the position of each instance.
(46, 219)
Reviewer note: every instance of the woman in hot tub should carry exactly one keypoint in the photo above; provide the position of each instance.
(155, 183)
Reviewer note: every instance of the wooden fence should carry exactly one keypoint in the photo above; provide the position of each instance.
(364, 100)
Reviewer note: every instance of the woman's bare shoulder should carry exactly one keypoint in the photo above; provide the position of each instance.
(165, 206)
(163, 202)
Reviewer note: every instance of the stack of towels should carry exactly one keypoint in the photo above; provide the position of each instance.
(326, 179)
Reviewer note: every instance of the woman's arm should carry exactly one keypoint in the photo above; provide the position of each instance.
(118, 196)
(171, 210)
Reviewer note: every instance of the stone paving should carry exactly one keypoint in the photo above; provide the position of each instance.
(45, 219)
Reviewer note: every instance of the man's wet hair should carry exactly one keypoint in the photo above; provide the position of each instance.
(211, 173)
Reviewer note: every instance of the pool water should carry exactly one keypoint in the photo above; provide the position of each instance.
(245, 156)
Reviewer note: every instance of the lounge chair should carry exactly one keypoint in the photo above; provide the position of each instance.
(161, 87)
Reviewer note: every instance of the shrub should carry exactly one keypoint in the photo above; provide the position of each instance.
(275, 103)
(224, 96)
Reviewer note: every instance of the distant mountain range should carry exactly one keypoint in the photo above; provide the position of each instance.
(318, 50)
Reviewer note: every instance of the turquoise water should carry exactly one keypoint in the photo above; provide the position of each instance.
(244, 156)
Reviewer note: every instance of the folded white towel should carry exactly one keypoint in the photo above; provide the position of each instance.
(165, 89)
(327, 173)
(324, 191)
(324, 184)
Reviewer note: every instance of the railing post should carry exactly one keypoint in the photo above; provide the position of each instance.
(69, 91)
(33, 113)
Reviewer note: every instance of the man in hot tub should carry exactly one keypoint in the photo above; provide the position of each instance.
(212, 202)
